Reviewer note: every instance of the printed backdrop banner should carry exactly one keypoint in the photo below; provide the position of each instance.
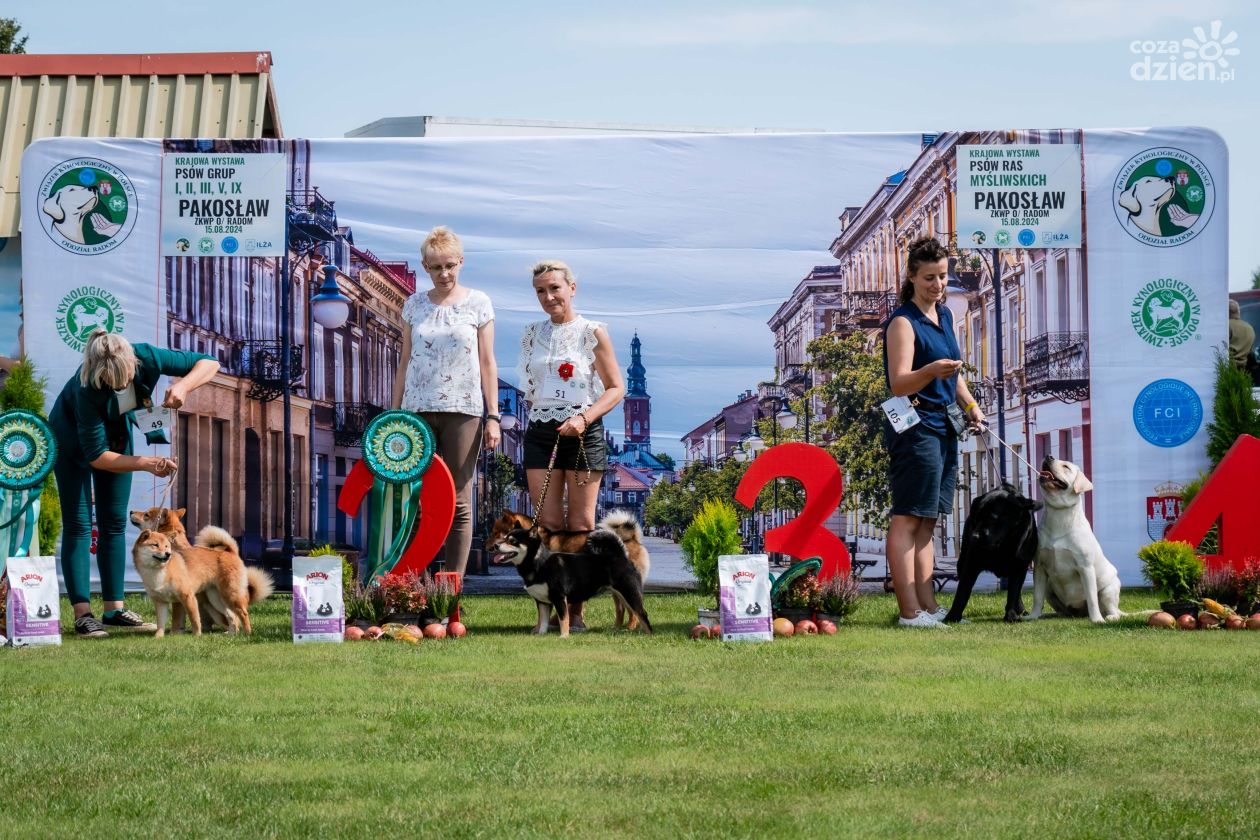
(223, 204)
(692, 243)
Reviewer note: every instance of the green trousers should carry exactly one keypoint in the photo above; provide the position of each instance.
(113, 490)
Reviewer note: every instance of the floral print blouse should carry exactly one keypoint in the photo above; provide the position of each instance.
(444, 371)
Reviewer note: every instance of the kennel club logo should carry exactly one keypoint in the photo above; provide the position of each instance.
(1165, 313)
(1164, 197)
(1162, 509)
(1167, 413)
(83, 310)
(88, 206)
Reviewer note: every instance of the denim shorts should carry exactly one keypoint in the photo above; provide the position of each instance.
(922, 471)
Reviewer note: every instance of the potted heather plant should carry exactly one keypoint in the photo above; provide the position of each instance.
(441, 601)
(837, 598)
(404, 597)
(365, 605)
(1174, 570)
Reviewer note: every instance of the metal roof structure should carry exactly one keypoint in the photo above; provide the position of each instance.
(204, 95)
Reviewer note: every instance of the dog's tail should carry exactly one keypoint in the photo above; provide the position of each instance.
(624, 524)
(260, 584)
(212, 536)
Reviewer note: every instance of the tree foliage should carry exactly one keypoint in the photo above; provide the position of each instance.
(10, 43)
(503, 478)
(713, 532)
(1233, 409)
(665, 458)
(853, 388)
(1255, 279)
(23, 389)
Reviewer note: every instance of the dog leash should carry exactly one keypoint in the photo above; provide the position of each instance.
(551, 465)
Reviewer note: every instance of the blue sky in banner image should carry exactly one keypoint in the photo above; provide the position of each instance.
(691, 242)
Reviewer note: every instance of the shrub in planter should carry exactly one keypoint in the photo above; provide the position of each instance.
(1174, 570)
(440, 600)
(365, 605)
(713, 532)
(1219, 584)
(404, 595)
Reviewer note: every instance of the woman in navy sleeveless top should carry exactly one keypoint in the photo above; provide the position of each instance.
(921, 361)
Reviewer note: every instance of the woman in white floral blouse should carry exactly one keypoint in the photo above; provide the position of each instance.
(571, 379)
(449, 376)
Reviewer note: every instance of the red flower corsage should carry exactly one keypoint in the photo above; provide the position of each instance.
(566, 371)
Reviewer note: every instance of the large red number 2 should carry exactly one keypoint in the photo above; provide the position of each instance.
(437, 511)
(820, 475)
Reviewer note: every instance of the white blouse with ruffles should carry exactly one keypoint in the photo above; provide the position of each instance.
(444, 371)
(544, 348)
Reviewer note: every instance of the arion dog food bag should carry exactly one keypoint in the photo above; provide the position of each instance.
(33, 605)
(319, 612)
(744, 597)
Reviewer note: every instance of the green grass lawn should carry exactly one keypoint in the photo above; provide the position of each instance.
(1054, 729)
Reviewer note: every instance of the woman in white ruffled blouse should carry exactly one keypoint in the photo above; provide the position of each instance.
(449, 376)
(571, 379)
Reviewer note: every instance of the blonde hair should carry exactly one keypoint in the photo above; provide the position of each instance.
(554, 265)
(109, 361)
(441, 240)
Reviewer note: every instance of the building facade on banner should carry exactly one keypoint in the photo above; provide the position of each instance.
(1045, 351)
(716, 439)
(230, 432)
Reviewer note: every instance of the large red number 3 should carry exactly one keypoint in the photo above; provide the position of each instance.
(805, 536)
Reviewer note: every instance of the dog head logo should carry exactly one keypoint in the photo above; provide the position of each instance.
(87, 206)
(1165, 313)
(1164, 197)
(1062, 482)
(84, 309)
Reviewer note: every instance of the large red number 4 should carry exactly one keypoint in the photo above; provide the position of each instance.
(805, 536)
(1229, 495)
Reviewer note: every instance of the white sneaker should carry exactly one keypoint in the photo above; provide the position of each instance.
(940, 613)
(921, 619)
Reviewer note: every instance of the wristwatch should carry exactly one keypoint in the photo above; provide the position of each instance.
(496, 418)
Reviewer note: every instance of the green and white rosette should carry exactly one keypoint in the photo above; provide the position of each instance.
(398, 448)
(28, 451)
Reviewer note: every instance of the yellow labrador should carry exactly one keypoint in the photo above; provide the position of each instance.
(1071, 571)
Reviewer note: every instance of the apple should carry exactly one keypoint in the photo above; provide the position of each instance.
(434, 631)
(456, 630)
(353, 634)
(1186, 622)
(414, 629)
(806, 627)
(827, 627)
(1234, 622)
(783, 627)
(1207, 620)
(1162, 619)
(374, 632)
(1253, 623)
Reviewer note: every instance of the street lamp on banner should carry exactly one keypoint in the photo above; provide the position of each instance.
(329, 307)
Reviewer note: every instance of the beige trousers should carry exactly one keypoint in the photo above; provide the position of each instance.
(458, 443)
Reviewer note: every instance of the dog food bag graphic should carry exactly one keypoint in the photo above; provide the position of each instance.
(319, 613)
(33, 605)
(744, 597)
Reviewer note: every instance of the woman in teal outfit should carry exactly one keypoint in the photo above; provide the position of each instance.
(92, 420)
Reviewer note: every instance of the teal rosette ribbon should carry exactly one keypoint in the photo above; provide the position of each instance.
(398, 447)
(28, 451)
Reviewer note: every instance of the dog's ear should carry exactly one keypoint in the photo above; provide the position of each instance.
(1082, 484)
(145, 534)
(1129, 200)
(179, 512)
(52, 206)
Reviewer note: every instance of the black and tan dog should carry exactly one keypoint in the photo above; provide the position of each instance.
(558, 579)
(620, 522)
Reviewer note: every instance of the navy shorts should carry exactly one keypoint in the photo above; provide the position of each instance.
(922, 471)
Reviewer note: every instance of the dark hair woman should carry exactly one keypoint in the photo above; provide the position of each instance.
(921, 361)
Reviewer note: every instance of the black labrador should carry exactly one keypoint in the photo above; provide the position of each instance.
(1000, 536)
